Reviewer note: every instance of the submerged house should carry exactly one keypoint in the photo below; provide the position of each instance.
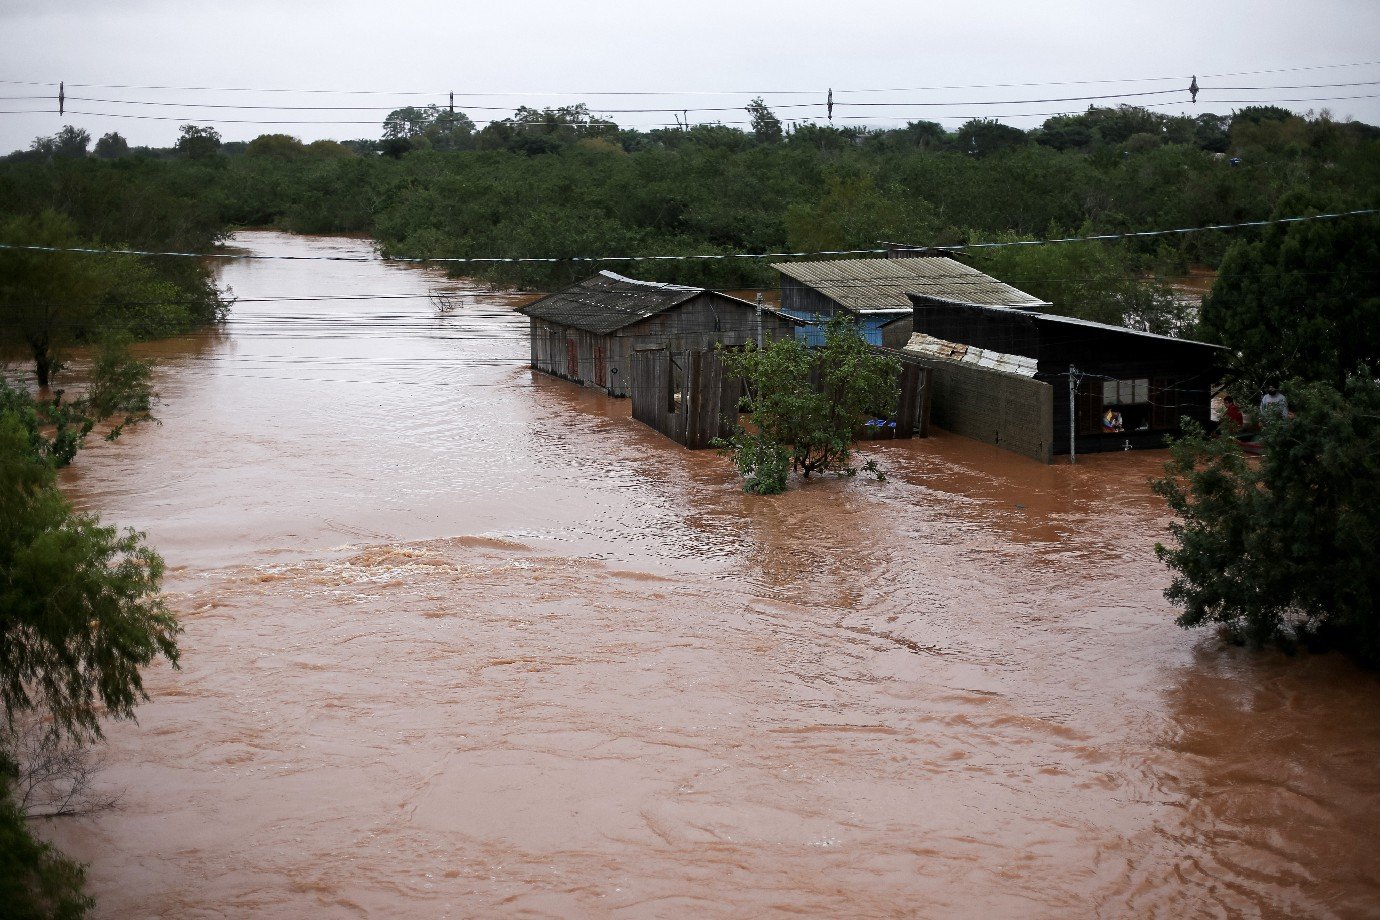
(877, 292)
(588, 332)
(1002, 375)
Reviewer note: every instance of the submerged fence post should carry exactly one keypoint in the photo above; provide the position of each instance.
(1073, 414)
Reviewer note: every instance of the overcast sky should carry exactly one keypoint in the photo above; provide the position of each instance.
(712, 53)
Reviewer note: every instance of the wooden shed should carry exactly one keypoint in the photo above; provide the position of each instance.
(1130, 388)
(875, 292)
(588, 332)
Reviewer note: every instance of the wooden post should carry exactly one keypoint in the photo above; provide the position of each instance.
(1073, 414)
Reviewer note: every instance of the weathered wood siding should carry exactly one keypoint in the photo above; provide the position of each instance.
(802, 300)
(604, 361)
(684, 395)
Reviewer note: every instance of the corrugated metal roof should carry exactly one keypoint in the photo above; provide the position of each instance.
(881, 285)
(1075, 321)
(607, 302)
(1091, 324)
(928, 345)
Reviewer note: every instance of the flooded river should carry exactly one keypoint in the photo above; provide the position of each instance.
(462, 640)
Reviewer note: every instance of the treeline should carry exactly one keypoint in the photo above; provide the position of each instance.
(560, 183)
(50, 301)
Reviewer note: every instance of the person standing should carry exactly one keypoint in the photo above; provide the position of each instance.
(1273, 403)
(1232, 412)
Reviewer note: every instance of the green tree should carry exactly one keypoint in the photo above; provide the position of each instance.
(807, 404)
(1092, 281)
(405, 122)
(1283, 549)
(71, 142)
(48, 300)
(982, 137)
(80, 614)
(111, 146)
(1300, 300)
(197, 143)
(51, 301)
(80, 611)
(765, 125)
(36, 881)
(1065, 132)
(275, 145)
(430, 127)
(855, 214)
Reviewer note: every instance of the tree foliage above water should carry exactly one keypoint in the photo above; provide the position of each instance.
(1282, 549)
(80, 616)
(807, 403)
(52, 301)
(1300, 300)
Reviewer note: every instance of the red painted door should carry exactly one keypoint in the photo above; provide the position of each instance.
(572, 359)
(599, 367)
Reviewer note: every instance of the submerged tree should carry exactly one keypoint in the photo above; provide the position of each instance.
(807, 404)
(1283, 549)
(48, 299)
(80, 616)
(36, 881)
(80, 611)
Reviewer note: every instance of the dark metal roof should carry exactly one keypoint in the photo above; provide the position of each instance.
(1037, 317)
(607, 302)
(881, 285)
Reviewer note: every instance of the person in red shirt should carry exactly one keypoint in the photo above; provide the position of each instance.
(1233, 412)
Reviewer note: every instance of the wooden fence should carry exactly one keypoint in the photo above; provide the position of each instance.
(684, 395)
(913, 409)
(688, 397)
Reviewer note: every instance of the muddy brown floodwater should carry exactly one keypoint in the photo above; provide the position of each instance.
(462, 640)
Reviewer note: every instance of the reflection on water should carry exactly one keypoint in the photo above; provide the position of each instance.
(462, 640)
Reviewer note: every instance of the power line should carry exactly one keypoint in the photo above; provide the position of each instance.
(682, 109)
(501, 260)
(913, 285)
(756, 92)
(191, 118)
(646, 111)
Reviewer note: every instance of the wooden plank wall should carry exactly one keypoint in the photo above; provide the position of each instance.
(684, 395)
(913, 408)
(689, 398)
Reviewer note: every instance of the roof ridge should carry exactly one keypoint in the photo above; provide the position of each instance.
(660, 285)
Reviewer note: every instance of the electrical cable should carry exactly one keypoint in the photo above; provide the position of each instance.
(683, 109)
(591, 128)
(792, 92)
(501, 260)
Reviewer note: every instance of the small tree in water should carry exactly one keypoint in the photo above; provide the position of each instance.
(1283, 549)
(807, 403)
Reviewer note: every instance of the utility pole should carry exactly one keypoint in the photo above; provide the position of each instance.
(1073, 413)
(759, 320)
